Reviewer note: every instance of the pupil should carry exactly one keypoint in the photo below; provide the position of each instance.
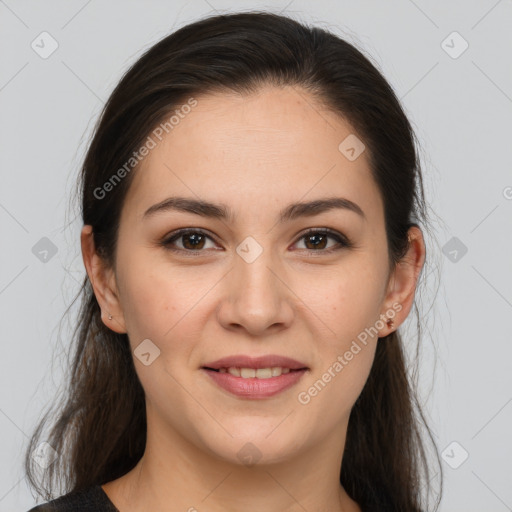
(311, 237)
(195, 240)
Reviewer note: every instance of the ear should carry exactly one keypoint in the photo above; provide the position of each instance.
(402, 282)
(103, 281)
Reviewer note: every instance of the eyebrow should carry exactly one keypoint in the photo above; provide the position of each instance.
(222, 212)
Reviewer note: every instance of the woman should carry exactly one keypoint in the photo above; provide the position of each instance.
(251, 202)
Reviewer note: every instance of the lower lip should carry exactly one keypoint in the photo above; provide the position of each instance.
(254, 388)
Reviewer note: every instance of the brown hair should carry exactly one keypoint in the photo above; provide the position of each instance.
(99, 428)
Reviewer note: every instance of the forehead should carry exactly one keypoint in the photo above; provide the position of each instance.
(272, 147)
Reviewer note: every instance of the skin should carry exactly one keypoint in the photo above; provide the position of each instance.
(256, 154)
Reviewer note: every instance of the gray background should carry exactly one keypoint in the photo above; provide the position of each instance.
(460, 106)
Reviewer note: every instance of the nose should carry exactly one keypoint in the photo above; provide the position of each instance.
(256, 297)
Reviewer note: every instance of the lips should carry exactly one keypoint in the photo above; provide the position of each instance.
(245, 361)
(254, 388)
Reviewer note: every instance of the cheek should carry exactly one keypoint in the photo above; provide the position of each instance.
(344, 309)
(346, 351)
(156, 295)
(346, 299)
(327, 398)
(160, 303)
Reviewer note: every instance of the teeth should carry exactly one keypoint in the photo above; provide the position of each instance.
(260, 373)
(247, 373)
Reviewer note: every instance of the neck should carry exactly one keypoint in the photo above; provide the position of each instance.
(175, 472)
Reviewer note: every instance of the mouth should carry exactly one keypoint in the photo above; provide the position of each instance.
(265, 366)
(255, 373)
(252, 378)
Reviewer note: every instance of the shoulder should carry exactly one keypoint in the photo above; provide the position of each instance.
(92, 499)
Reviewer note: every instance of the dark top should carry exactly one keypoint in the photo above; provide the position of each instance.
(92, 499)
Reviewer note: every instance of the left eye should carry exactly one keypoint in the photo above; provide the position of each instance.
(318, 239)
(194, 240)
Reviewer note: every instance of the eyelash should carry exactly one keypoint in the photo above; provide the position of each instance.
(343, 241)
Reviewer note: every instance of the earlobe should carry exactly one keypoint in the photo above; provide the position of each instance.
(403, 282)
(103, 282)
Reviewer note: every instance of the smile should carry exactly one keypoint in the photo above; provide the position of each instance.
(259, 373)
(254, 383)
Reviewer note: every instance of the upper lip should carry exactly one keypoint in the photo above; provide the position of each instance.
(245, 361)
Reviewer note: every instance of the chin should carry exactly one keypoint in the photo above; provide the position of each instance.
(254, 444)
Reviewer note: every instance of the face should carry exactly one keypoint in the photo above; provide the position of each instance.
(252, 283)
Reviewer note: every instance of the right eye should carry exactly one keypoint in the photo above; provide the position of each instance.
(192, 240)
